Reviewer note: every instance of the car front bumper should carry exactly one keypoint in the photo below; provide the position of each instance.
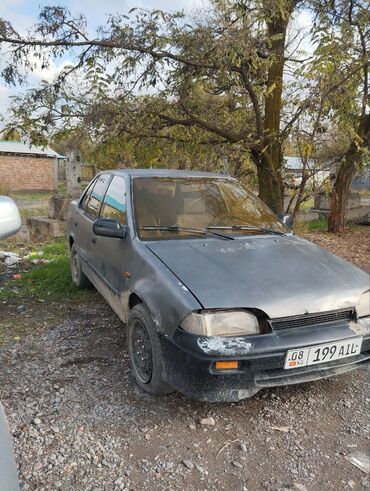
(189, 360)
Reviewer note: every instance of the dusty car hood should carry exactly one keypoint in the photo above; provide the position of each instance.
(282, 276)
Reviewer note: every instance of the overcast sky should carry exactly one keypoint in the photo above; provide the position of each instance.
(23, 14)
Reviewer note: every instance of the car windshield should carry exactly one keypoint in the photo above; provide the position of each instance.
(171, 207)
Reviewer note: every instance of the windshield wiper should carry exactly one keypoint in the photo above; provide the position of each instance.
(247, 227)
(176, 228)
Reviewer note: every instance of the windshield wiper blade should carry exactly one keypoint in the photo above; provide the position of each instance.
(247, 227)
(259, 229)
(176, 228)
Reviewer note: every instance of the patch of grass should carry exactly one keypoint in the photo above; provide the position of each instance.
(56, 249)
(46, 280)
(30, 196)
(61, 189)
(319, 224)
(314, 225)
(32, 212)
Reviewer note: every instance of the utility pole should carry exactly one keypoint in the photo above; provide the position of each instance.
(73, 173)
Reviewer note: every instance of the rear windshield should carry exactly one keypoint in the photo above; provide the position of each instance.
(197, 203)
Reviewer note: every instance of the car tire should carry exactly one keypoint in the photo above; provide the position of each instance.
(145, 352)
(78, 276)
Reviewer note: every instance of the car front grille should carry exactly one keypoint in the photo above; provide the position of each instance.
(312, 319)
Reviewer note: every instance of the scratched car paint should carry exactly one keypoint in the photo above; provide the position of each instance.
(202, 272)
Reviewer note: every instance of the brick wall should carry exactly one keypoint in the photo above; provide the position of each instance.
(22, 173)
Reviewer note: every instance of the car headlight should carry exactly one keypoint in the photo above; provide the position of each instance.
(227, 323)
(363, 306)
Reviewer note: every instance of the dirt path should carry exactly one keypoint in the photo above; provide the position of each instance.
(80, 424)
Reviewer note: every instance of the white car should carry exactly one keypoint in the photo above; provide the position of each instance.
(10, 220)
(10, 223)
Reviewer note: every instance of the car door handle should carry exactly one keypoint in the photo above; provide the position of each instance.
(93, 240)
(76, 223)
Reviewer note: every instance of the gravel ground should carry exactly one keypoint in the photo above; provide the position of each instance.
(80, 424)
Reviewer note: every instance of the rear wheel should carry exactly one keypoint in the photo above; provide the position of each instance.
(78, 276)
(145, 352)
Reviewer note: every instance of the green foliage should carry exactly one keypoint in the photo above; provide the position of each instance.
(47, 280)
(34, 196)
(204, 71)
(168, 89)
(10, 135)
(97, 78)
(320, 224)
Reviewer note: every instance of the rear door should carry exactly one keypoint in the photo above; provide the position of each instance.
(110, 254)
(76, 222)
(87, 213)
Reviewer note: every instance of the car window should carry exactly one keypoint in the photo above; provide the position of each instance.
(114, 205)
(93, 204)
(197, 202)
(86, 195)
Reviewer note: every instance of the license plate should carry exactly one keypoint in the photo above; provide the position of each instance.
(322, 353)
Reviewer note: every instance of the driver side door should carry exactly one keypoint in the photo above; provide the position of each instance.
(110, 253)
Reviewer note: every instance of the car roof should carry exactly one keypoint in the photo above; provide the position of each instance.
(163, 173)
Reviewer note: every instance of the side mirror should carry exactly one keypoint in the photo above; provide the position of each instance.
(10, 220)
(108, 227)
(286, 220)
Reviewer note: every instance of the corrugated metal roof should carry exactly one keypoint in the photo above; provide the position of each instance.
(296, 162)
(27, 149)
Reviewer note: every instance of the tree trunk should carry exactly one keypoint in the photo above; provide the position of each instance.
(271, 187)
(341, 189)
(300, 196)
(266, 188)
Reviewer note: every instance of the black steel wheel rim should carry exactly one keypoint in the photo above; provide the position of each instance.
(141, 350)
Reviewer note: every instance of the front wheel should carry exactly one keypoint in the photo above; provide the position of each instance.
(145, 352)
